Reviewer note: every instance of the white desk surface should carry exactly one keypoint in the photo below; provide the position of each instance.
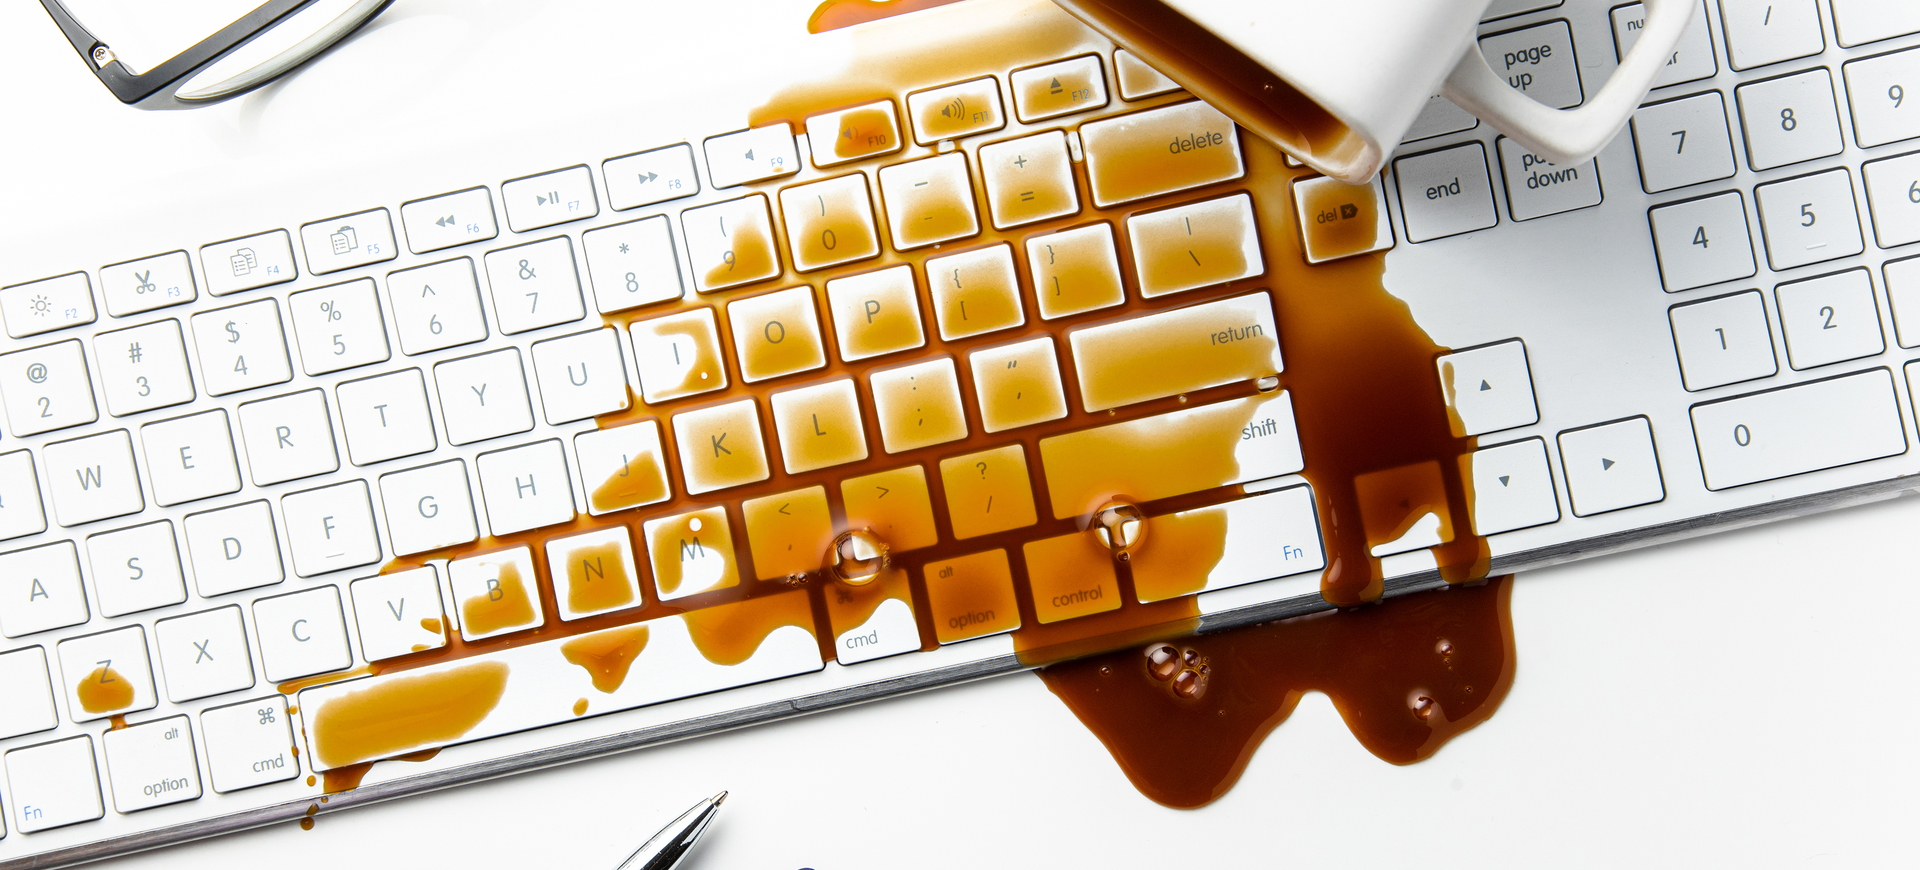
(1742, 699)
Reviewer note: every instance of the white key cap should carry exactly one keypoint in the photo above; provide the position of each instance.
(40, 589)
(47, 305)
(526, 487)
(1611, 466)
(678, 355)
(853, 133)
(54, 784)
(386, 417)
(1488, 388)
(650, 176)
(633, 264)
(1445, 193)
(136, 569)
(436, 306)
(593, 573)
(1802, 428)
(152, 764)
(1903, 296)
(449, 219)
(233, 549)
(1790, 119)
(242, 347)
(889, 631)
(581, 375)
(1217, 236)
(1810, 219)
(1512, 487)
(1028, 179)
(1702, 241)
(1762, 33)
(535, 285)
(1830, 319)
(330, 528)
(547, 698)
(1858, 22)
(1268, 535)
(92, 478)
(243, 264)
(821, 233)
(46, 388)
(1692, 58)
(917, 193)
(1893, 198)
(1537, 61)
(301, 634)
(288, 437)
(1175, 334)
(1682, 142)
(29, 693)
(428, 507)
(484, 396)
(20, 510)
(503, 579)
(1038, 91)
(952, 111)
(1136, 79)
(339, 327)
(148, 283)
(348, 241)
(1723, 341)
(1877, 91)
(752, 155)
(399, 613)
(622, 467)
(107, 673)
(549, 198)
(204, 654)
(143, 368)
(191, 457)
(730, 243)
(1537, 188)
(249, 744)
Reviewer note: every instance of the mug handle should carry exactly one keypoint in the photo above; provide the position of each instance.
(1569, 136)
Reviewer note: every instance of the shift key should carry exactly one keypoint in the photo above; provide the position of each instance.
(1174, 352)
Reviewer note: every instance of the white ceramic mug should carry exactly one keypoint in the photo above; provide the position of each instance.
(1337, 83)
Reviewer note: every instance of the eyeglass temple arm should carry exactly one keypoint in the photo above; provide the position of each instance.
(155, 88)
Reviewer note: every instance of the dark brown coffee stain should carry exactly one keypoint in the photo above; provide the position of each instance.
(835, 14)
(1407, 675)
(605, 656)
(103, 690)
(1335, 233)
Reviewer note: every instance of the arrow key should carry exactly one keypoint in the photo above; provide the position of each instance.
(1611, 466)
(1488, 388)
(1512, 487)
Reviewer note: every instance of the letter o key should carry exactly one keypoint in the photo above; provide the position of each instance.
(776, 332)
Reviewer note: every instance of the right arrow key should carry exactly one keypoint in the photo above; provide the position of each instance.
(1611, 466)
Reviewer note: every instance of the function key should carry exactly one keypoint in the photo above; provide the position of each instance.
(147, 284)
(243, 264)
(549, 198)
(862, 131)
(650, 176)
(752, 155)
(1137, 79)
(449, 219)
(47, 304)
(1062, 88)
(956, 110)
(348, 241)
(54, 784)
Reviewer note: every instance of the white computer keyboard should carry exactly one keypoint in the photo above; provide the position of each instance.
(389, 435)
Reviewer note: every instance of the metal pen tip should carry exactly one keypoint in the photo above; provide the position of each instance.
(720, 798)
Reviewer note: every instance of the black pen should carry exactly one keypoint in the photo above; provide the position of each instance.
(668, 848)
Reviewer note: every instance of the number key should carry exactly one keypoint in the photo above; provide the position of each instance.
(633, 264)
(535, 285)
(1809, 219)
(1830, 319)
(46, 388)
(1790, 119)
(1723, 341)
(1682, 142)
(339, 327)
(436, 306)
(829, 222)
(143, 368)
(242, 347)
(730, 243)
(1878, 89)
(1893, 197)
(1702, 241)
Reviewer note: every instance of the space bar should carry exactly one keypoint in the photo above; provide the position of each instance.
(1794, 430)
(541, 683)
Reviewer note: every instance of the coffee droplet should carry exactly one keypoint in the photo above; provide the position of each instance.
(1423, 706)
(1120, 527)
(857, 557)
(1163, 662)
(797, 579)
(1191, 683)
(1444, 647)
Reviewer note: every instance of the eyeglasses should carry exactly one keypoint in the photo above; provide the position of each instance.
(172, 84)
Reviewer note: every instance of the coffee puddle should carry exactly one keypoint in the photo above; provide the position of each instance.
(1182, 718)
